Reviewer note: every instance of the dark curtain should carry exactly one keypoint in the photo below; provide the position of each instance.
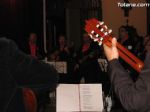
(20, 17)
(56, 24)
(90, 9)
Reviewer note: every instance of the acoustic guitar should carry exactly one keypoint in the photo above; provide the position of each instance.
(100, 33)
(30, 101)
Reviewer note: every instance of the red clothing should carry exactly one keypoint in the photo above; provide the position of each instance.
(85, 47)
(33, 49)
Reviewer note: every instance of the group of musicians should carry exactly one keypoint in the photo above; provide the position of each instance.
(19, 70)
(82, 63)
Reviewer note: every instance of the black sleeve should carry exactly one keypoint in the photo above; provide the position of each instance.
(134, 97)
(29, 72)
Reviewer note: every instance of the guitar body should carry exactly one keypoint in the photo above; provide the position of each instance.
(29, 100)
(101, 34)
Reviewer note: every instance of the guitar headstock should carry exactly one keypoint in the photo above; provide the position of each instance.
(97, 30)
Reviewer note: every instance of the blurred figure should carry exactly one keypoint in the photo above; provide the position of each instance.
(33, 44)
(87, 64)
(130, 39)
(137, 42)
(146, 46)
(63, 49)
(61, 52)
(146, 39)
(21, 71)
(64, 52)
(123, 35)
(33, 48)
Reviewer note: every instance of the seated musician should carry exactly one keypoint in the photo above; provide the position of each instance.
(32, 47)
(87, 62)
(134, 96)
(130, 39)
(146, 46)
(64, 52)
(21, 71)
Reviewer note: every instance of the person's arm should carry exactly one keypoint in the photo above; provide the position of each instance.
(29, 72)
(134, 97)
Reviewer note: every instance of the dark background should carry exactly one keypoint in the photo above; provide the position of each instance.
(20, 17)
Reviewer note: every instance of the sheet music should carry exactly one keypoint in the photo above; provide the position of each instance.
(79, 98)
(67, 98)
(91, 97)
(103, 64)
(60, 66)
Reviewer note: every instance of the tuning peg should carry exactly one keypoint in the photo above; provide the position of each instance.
(110, 31)
(101, 38)
(101, 23)
(92, 31)
(106, 33)
(91, 36)
(97, 25)
(102, 30)
(95, 40)
(105, 27)
(97, 36)
(100, 43)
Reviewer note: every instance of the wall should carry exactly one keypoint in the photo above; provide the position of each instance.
(114, 16)
(73, 23)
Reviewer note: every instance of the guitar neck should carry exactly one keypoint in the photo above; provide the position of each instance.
(127, 56)
(100, 33)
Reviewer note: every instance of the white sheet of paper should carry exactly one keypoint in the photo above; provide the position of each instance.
(79, 98)
(103, 64)
(91, 97)
(61, 67)
(67, 98)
